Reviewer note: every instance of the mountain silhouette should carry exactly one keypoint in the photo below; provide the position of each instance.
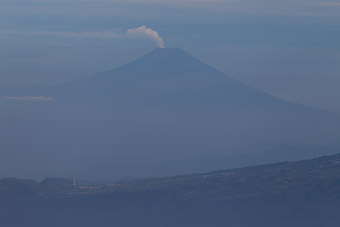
(167, 77)
(164, 107)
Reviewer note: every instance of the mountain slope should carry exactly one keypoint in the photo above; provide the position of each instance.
(172, 78)
(301, 193)
(166, 77)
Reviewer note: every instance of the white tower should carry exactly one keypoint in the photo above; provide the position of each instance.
(74, 180)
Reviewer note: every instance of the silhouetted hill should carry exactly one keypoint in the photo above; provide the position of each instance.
(301, 193)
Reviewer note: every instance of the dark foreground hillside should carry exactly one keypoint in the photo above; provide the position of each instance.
(303, 193)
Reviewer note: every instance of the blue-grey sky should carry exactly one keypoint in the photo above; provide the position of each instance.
(288, 48)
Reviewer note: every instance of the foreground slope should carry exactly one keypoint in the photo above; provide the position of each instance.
(302, 193)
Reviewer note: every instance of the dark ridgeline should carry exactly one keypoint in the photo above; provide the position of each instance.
(164, 106)
(302, 193)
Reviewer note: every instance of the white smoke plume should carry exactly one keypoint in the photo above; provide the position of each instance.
(147, 32)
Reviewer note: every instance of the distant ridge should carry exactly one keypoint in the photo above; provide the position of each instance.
(301, 193)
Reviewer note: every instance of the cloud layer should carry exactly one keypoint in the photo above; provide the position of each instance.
(142, 31)
(31, 98)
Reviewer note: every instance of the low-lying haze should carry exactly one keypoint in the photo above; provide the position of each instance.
(290, 49)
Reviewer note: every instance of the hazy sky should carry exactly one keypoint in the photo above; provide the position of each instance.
(288, 48)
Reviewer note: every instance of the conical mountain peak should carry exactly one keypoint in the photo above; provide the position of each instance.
(168, 52)
(178, 78)
(167, 59)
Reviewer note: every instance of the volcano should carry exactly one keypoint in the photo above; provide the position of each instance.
(168, 78)
(164, 107)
